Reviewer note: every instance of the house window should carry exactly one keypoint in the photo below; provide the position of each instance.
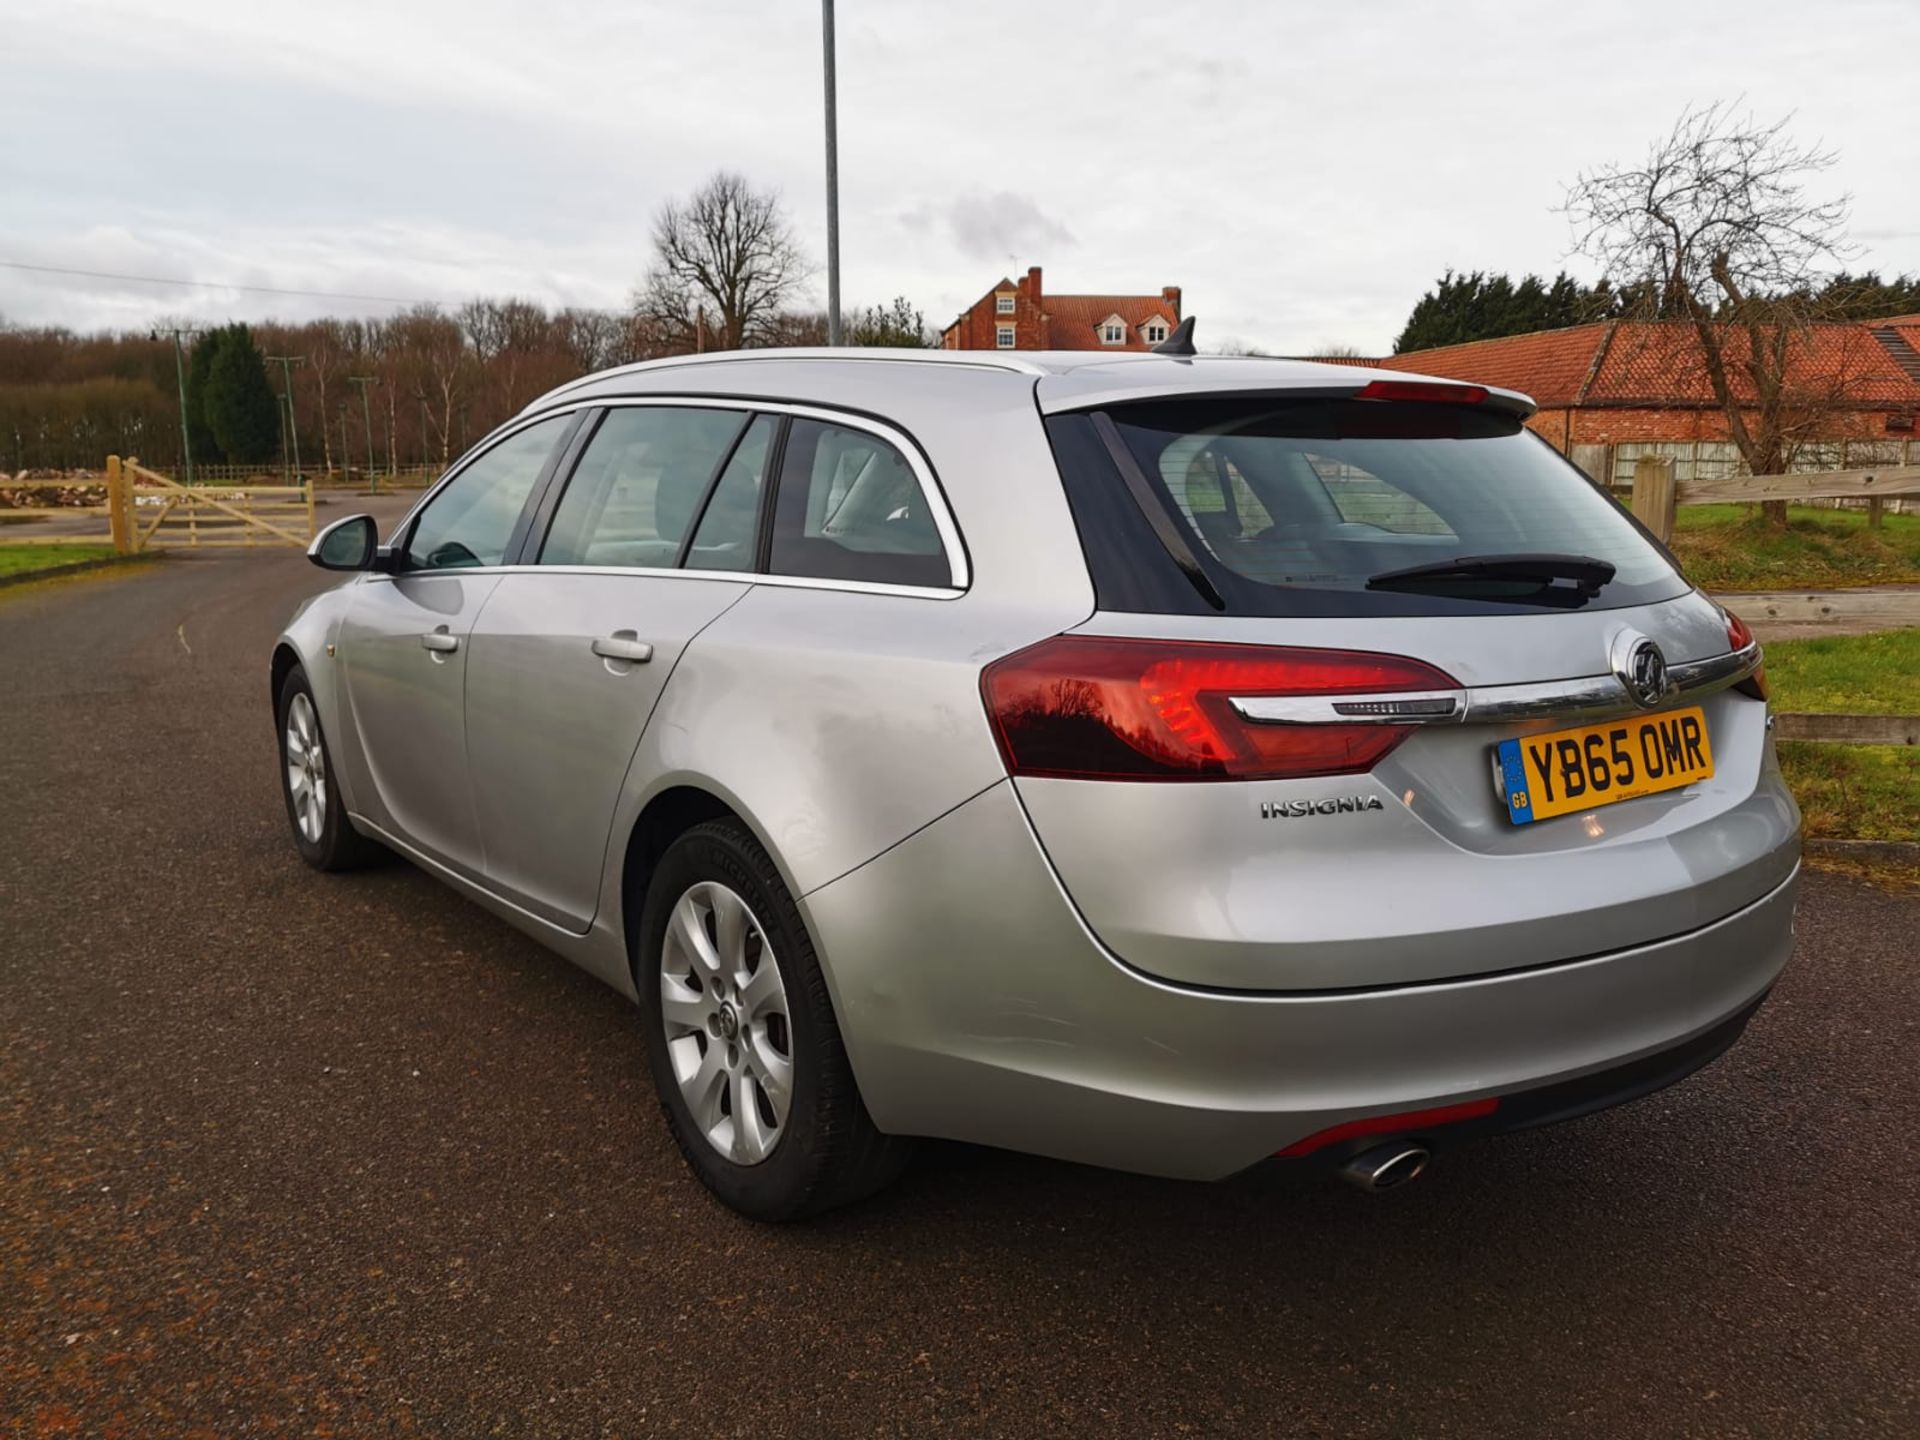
(1113, 334)
(1003, 304)
(1003, 337)
(1156, 332)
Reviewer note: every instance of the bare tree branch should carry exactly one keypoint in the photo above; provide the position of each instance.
(730, 248)
(1716, 230)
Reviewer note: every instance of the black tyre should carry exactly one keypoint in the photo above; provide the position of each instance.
(741, 1036)
(321, 830)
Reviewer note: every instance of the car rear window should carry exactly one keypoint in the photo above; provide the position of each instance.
(1292, 507)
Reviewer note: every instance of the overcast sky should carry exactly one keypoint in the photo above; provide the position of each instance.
(1304, 171)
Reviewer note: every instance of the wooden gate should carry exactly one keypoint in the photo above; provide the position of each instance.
(144, 510)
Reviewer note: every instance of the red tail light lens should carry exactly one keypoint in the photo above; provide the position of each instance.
(1432, 391)
(1739, 637)
(1096, 708)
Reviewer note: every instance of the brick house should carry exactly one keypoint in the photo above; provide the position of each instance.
(1612, 391)
(1019, 315)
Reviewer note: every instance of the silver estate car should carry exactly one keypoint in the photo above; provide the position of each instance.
(1157, 761)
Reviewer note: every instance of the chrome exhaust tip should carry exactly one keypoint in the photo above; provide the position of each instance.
(1386, 1166)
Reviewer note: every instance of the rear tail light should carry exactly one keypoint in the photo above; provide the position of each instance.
(1739, 637)
(1097, 708)
(1441, 392)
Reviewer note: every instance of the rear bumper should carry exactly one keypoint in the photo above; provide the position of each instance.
(977, 1006)
(1551, 1104)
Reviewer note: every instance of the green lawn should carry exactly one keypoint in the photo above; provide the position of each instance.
(29, 559)
(1851, 792)
(1855, 792)
(1731, 547)
(1847, 674)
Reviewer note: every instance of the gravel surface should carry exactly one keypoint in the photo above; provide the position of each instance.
(283, 1153)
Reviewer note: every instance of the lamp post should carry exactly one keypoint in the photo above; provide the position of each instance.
(833, 180)
(180, 375)
(287, 362)
(366, 409)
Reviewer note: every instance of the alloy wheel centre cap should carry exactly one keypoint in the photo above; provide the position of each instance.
(729, 1022)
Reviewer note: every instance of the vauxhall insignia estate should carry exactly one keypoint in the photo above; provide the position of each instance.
(1158, 761)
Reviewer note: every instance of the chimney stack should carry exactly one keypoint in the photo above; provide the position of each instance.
(1171, 294)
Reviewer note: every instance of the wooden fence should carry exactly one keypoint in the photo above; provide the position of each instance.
(1656, 494)
(144, 510)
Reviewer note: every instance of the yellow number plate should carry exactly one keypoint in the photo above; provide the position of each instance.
(1568, 770)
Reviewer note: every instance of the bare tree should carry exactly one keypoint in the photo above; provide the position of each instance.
(1716, 229)
(725, 263)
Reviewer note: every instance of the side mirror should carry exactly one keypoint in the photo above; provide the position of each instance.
(347, 544)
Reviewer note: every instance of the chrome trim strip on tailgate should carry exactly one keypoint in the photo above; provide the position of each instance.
(1590, 697)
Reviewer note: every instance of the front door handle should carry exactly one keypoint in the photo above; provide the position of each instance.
(621, 645)
(440, 642)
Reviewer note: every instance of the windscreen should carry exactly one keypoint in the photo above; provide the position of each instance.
(1350, 507)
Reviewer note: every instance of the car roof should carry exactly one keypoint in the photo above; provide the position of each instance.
(1061, 379)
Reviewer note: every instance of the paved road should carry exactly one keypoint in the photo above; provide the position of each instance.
(286, 1153)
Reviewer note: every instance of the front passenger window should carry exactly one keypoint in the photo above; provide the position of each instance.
(471, 521)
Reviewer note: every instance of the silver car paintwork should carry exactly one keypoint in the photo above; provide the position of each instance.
(843, 724)
(1052, 1045)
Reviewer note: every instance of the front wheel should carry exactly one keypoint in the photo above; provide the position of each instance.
(325, 837)
(741, 1037)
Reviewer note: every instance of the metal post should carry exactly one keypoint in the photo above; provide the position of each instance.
(180, 375)
(366, 409)
(287, 362)
(833, 181)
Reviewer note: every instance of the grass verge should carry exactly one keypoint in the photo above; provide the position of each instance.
(1853, 792)
(1847, 674)
(1731, 547)
(16, 560)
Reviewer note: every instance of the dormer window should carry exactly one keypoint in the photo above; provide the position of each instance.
(1156, 331)
(1113, 331)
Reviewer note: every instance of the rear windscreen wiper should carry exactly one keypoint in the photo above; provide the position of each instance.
(1586, 574)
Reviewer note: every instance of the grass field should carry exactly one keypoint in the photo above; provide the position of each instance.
(1851, 792)
(1730, 547)
(32, 559)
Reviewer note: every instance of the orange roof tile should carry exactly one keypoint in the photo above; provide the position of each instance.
(1657, 364)
(1073, 321)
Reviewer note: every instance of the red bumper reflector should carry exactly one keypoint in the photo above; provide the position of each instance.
(1404, 1123)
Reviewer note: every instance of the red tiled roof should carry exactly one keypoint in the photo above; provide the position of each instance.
(1550, 365)
(1657, 364)
(1073, 321)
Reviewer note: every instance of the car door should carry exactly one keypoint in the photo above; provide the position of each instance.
(402, 645)
(571, 652)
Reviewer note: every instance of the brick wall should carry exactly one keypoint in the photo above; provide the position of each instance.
(977, 328)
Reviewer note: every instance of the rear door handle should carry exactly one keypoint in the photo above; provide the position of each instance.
(440, 642)
(621, 645)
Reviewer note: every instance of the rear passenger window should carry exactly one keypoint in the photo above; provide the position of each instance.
(633, 495)
(851, 508)
(729, 528)
(1363, 498)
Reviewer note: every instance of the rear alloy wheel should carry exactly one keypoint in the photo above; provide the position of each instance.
(728, 1035)
(325, 837)
(741, 1036)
